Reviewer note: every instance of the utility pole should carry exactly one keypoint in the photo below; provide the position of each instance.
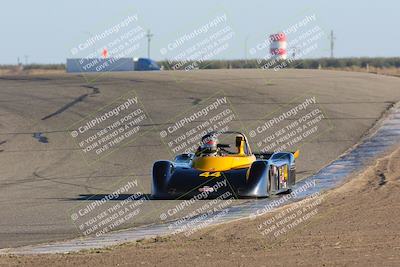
(94, 47)
(245, 49)
(148, 35)
(26, 59)
(332, 38)
(295, 49)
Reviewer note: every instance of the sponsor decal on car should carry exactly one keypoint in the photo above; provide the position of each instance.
(207, 189)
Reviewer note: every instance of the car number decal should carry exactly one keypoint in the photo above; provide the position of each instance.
(210, 174)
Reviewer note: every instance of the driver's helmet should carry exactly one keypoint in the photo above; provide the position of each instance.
(209, 145)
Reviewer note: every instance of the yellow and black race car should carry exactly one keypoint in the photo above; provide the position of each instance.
(217, 168)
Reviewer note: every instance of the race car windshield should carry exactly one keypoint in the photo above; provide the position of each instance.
(227, 143)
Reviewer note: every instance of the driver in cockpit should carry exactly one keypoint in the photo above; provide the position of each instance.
(209, 146)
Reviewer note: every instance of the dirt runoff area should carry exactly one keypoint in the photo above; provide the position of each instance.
(356, 224)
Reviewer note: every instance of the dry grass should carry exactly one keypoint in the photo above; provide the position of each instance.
(382, 71)
(15, 71)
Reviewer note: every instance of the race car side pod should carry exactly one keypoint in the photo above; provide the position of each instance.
(291, 158)
(257, 181)
(162, 171)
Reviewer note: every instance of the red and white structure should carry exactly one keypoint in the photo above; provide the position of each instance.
(278, 46)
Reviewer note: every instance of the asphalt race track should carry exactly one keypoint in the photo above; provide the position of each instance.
(43, 175)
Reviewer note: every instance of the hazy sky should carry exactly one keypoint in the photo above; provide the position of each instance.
(47, 30)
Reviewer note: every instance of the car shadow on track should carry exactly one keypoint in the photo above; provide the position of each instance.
(110, 197)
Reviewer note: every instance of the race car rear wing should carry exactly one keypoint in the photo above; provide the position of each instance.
(267, 155)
